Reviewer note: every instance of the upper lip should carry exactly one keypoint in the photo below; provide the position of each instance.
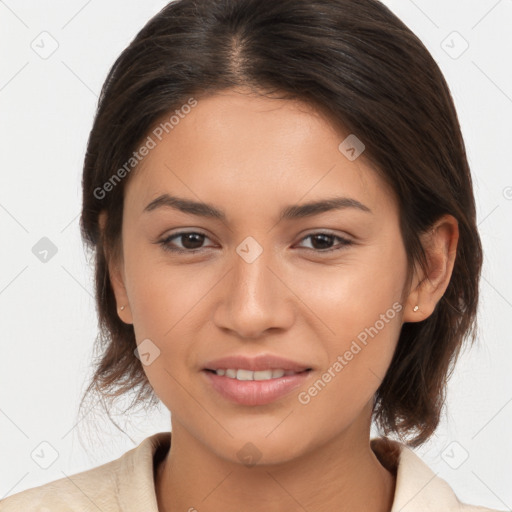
(259, 362)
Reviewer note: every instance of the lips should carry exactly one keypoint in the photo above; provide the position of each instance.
(255, 392)
(245, 380)
(257, 363)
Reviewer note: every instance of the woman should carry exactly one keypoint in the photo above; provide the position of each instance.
(281, 210)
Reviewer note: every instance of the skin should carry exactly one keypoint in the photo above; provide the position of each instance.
(251, 156)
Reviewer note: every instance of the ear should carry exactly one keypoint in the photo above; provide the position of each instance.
(440, 244)
(117, 278)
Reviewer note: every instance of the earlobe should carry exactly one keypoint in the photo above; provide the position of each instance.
(116, 277)
(440, 245)
(118, 285)
(124, 314)
(413, 313)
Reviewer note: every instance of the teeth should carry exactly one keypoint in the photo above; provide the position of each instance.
(257, 375)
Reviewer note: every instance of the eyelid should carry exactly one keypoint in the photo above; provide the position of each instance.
(325, 231)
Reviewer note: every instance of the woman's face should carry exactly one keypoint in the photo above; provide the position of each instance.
(254, 283)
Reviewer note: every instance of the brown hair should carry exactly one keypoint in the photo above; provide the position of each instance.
(353, 59)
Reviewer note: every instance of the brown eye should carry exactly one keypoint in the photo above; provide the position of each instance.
(191, 241)
(322, 242)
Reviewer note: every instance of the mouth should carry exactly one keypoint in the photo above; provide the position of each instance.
(260, 375)
(254, 388)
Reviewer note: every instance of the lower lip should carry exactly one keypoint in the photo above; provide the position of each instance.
(255, 392)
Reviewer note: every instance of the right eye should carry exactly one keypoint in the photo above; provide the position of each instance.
(191, 242)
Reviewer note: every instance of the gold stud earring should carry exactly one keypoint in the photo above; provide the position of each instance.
(416, 308)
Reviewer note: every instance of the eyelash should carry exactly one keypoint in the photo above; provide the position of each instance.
(165, 242)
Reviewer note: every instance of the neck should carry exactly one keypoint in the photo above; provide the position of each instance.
(344, 475)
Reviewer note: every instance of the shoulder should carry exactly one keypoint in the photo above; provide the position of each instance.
(109, 487)
(76, 492)
(417, 486)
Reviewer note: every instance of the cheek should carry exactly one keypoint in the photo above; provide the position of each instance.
(160, 303)
(162, 295)
(161, 309)
(169, 307)
(358, 311)
(359, 352)
(351, 295)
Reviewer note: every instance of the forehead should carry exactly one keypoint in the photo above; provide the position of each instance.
(252, 150)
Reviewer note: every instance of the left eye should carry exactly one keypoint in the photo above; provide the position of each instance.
(326, 238)
(192, 241)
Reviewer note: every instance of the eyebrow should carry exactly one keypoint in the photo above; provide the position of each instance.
(289, 212)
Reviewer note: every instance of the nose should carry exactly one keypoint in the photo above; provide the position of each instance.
(256, 297)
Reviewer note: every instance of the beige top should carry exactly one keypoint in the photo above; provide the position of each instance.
(127, 484)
